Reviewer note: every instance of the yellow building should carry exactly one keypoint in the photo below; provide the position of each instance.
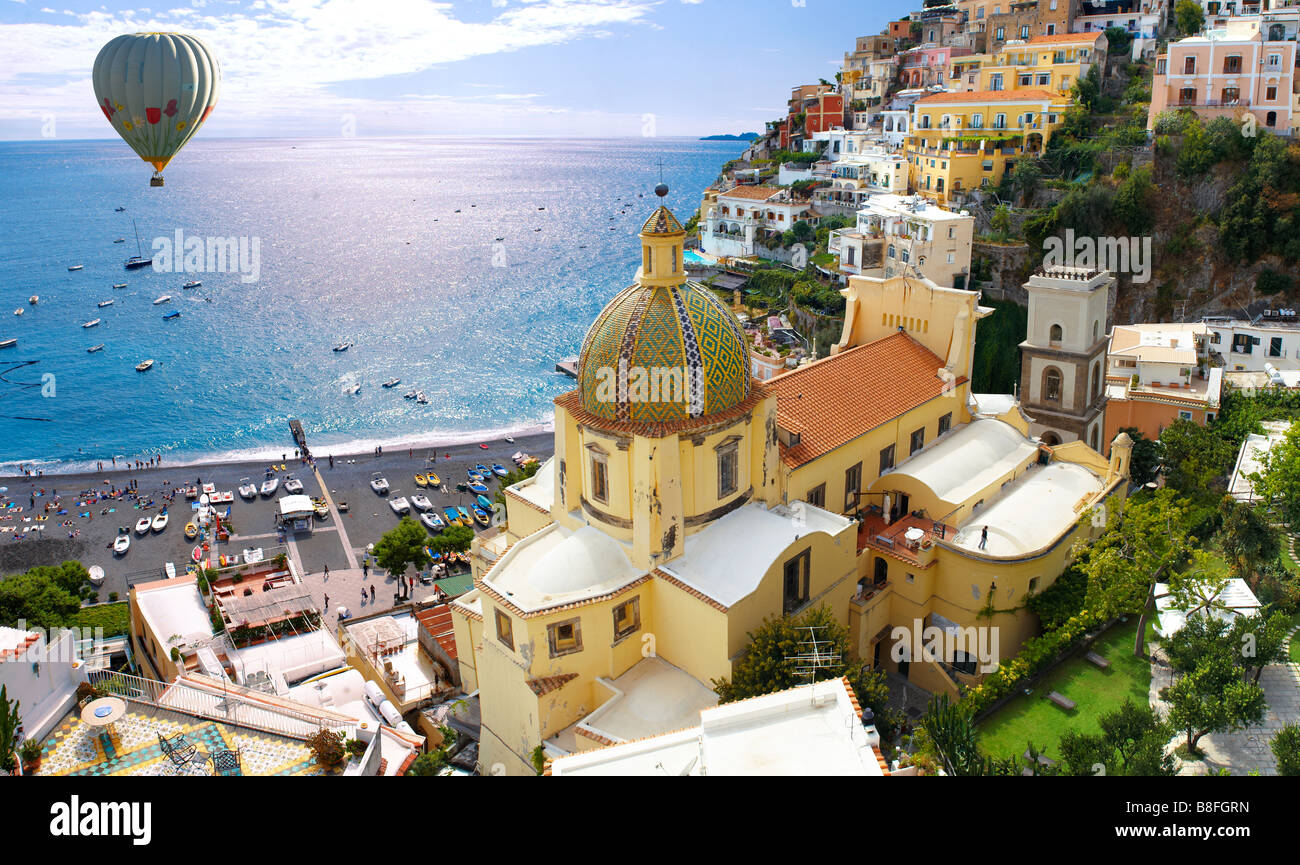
(1052, 63)
(963, 141)
(687, 502)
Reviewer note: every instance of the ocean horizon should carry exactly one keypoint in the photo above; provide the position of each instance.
(354, 240)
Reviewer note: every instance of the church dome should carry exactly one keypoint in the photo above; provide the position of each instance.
(661, 353)
(663, 349)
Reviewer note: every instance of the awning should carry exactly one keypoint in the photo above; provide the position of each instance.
(295, 507)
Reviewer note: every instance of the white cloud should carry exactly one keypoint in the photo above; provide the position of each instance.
(282, 59)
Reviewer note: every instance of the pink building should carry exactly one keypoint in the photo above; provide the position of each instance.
(927, 65)
(1231, 72)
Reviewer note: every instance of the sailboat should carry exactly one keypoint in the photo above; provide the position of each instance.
(138, 260)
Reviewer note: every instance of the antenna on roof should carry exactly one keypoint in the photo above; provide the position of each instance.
(814, 655)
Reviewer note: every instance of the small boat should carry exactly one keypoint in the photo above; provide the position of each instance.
(120, 240)
(138, 260)
(144, 366)
(18, 311)
(421, 480)
(482, 502)
(344, 346)
(94, 322)
(118, 209)
(95, 348)
(269, 486)
(193, 283)
(453, 517)
(432, 522)
(197, 554)
(34, 299)
(321, 509)
(474, 476)
(164, 299)
(399, 505)
(104, 303)
(482, 517)
(121, 543)
(247, 489)
(410, 394)
(392, 382)
(8, 343)
(96, 575)
(160, 521)
(343, 507)
(484, 446)
(421, 502)
(465, 519)
(484, 471)
(510, 440)
(476, 488)
(119, 285)
(499, 470)
(434, 480)
(143, 525)
(421, 398)
(75, 266)
(191, 531)
(352, 389)
(174, 314)
(292, 485)
(379, 484)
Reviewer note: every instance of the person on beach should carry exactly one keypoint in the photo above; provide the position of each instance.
(372, 593)
(363, 596)
(331, 460)
(327, 573)
(365, 568)
(327, 601)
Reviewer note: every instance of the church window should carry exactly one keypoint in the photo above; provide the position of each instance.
(504, 632)
(599, 478)
(728, 458)
(627, 618)
(564, 638)
(1052, 385)
(795, 584)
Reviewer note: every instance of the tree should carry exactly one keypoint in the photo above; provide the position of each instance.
(951, 730)
(1278, 482)
(453, 539)
(9, 722)
(1258, 641)
(1247, 538)
(402, 546)
(1189, 16)
(1025, 178)
(1131, 742)
(1146, 456)
(1286, 748)
(46, 596)
(1213, 698)
(1194, 456)
(766, 666)
(1145, 542)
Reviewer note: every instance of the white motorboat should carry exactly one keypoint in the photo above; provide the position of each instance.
(144, 366)
(104, 303)
(194, 283)
(121, 544)
(410, 394)
(292, 485)
(143, 525)
(421, 398)
(95, 348)
(94, 322)
(18, 311)
(160, 521)
(269, 486)
(400, 505)
(164, 299)
(344, 346)
(75, 266)
(432, 522)
(96, 574)
(352, 390)
(421, 502)
(8, 343)
(379, 484)
(392, 382)
(34, 299)
(247, 489)
(119, 285)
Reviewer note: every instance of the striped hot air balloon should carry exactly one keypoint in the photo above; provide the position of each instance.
(156, 89)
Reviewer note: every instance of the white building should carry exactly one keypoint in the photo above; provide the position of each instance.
(857, 177)
(896, 235)
(1272, 340)
(1141, 19)
(811, 730)
(41, 672)
(747, 216)
(896, 124)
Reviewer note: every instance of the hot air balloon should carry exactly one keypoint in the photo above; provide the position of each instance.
(156, 89)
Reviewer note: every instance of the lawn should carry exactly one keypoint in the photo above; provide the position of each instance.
(113, 618)
(1034, 718)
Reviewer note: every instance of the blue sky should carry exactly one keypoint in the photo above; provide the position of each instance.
(305, 68)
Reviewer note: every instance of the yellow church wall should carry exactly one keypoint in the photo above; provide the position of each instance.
(618, 498)
(511, 725)
(687, 632)
(469, 638)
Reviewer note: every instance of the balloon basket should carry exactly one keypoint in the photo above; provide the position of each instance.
(156, 180)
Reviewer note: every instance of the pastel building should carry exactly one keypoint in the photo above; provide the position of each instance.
(927, 65)
(899, 235)
(1052, 63)
(1245, 68)
(1143, 20)
(1159, 373)
(745, 217)
(965, 141)
(667, 527)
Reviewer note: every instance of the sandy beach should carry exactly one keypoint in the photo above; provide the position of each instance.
(86, 531)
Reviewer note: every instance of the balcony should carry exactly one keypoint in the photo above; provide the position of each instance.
(910, 538)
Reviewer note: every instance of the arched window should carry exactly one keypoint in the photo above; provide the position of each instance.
(1270, 120)
(1056, 333)
(1092, 439)
(1051, 438)
(1052, 384)
(1096, 330)
(1094, 386)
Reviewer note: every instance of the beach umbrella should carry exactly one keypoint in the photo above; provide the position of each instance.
(156, 89)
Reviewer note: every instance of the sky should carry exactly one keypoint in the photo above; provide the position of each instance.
(577, 68)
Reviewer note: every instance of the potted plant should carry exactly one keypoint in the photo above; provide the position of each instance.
(356, 748)
(87, 692)
(31, 751)
(327, 747)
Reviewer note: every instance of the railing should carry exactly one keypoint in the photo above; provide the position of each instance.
(231, 707)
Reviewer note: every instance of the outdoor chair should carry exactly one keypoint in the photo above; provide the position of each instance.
(177, 748)
(227, 763)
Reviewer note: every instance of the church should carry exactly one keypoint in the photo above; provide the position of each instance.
(687, 502)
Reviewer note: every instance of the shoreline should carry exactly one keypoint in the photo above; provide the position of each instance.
(260, 455)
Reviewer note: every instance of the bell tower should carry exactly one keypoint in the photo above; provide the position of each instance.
(1063, 357)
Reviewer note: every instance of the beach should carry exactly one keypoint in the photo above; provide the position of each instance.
(337, 542)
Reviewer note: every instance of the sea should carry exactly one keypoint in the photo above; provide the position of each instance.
(463, 267)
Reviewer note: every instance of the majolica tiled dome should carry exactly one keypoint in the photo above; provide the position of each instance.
(659, 329)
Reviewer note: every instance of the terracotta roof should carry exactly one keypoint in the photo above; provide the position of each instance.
(756, 193)
(437, 621)
(547, 684)
(832, 401)
(991, 96)
(1061, 38)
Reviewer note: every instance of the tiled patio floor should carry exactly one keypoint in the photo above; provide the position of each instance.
(75, 748)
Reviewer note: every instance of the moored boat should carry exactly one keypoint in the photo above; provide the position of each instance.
(194, 283)
(160, 521)
(76, 266)
(164, 299)
(104, 303)
(34, 299)
(119, 285)
(173, 314)
(8, 343)
(95, 348)
(392, 382)
(421, 480)
(92, 323)
(191, 531)
(452, 516)
(144, 366)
